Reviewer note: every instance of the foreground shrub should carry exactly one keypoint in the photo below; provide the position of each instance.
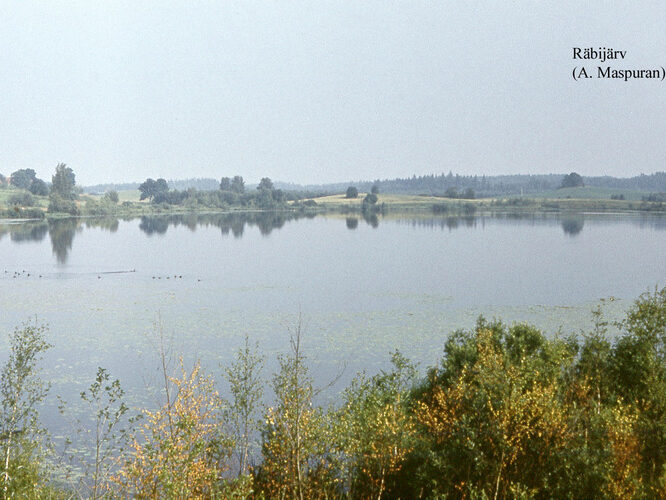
(181, 450)
(297, 440)
(21, 434)
(508, 413)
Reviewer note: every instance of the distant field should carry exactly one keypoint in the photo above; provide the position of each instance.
(338, 200)
(585, 193)
(582, 199)
(129, 195)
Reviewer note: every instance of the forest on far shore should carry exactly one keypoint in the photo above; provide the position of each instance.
(437, 184)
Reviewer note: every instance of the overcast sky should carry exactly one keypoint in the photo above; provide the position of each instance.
(314, 92)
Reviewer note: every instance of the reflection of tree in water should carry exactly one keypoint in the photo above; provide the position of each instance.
(154, 225)
(237, 228)
(190, 221)
(30, 231)
(234, 223)
(62, 233)
(270, 221)
(352, 222)
(573, 225)
(107, 223)
(371, 219)
(654, 221)
(444, 222)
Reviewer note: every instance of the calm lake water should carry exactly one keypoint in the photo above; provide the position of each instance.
(363, 287)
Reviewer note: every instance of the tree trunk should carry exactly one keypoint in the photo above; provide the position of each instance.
(499, 475)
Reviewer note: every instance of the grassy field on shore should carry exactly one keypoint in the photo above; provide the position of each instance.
(595, 202)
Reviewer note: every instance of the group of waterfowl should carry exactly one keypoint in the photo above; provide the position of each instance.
(20, 274)
(26, 274)
(174, 277)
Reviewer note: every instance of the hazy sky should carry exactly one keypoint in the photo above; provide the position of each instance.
(314, 92)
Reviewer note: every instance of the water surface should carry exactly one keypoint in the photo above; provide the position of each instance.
(362, 287)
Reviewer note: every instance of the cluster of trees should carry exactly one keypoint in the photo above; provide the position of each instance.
(235, 185)
(467, 194)
(655, 197)
(154, 190)
(62, 182)
(369, 206)
(62, 192)
(26, 178)
(352, 191)
(508, 413)
(21, 202)
(231, 193)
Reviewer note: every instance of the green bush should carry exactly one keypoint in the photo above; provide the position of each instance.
(57, 204)
(370, 199)
(17, 212)
(22, 199)
(111, 196)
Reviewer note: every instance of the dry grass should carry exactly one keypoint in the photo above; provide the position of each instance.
(337, 200)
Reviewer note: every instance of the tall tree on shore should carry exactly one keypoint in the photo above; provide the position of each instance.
(266, 184)
(225, 184)
(63, 182)
(238, 184)
(152, 188)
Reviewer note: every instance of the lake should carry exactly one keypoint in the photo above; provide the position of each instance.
(362, 287)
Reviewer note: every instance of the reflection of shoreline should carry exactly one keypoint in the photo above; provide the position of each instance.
(571, 224)
(62, 231)
(233, 223)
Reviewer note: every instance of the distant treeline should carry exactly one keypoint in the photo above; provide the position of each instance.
(482, 185)
(199, 183)
(488, 186)
(653, 182)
